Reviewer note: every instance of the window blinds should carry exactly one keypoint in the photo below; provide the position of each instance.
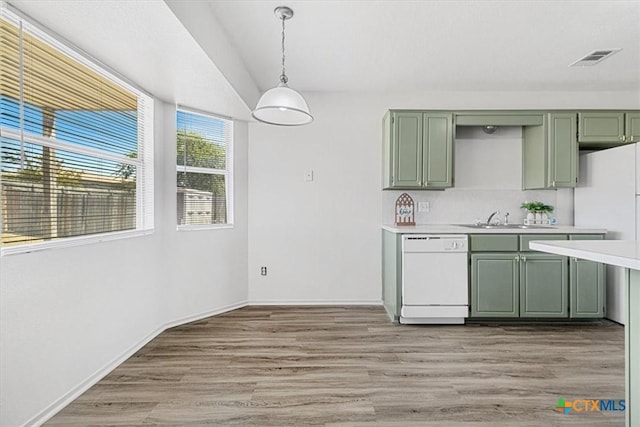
(76, 143)
(204, 166)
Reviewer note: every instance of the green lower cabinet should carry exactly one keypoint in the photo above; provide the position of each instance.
(544, 282)
(392, 273)
(494, 285)
(586, 289)
(508, 279)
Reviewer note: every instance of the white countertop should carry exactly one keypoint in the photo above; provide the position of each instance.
(459, 229)
(623, 253)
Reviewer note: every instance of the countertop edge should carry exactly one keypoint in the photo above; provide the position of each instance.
(459, 229)
(590, 251)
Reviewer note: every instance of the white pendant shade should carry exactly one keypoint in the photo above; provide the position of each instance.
(283, 106)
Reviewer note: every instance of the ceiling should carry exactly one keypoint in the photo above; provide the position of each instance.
(144, 42)
(438, 45)
(184, 51)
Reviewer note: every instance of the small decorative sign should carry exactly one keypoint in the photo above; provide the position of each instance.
(405, 209)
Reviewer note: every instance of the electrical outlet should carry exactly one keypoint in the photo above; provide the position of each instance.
(424, 207)
(263, 271)
(308, 175)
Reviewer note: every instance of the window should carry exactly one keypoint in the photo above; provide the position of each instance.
(205, 170)
(75, 144)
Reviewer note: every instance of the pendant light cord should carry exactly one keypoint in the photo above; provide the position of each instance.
(283, 76)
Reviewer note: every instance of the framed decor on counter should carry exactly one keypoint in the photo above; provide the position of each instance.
(405, 210)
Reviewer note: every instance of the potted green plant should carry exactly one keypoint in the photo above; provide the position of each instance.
(538, 212)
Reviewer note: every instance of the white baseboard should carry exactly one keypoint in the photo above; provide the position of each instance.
(85, 385)
(48, 412)
(315, 302)
(205, 314)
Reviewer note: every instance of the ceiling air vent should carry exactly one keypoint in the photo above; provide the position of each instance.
(595, 57)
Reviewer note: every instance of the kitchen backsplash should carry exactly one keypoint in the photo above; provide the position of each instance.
(464, 206)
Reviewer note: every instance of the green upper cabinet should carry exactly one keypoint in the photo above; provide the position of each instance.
(407, 150)
(544, 283)
(563, 151)
(437, 152)
(550, 153)
(608, 129)
(418, 150)
(632, 127)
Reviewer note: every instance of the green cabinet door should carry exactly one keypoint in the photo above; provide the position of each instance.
(600, 127)
(550, 153)
(563, 150)
(586, 289)
(494, 285)
(544, 281)
(632, 127)
(407, 150)
(437, 150)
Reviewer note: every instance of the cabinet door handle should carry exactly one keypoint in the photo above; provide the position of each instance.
(630, 139)
(622, 138)
(517, 258)
(553, 184)
(523, 259)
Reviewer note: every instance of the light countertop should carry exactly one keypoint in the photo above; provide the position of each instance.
(623, 253)
(459, 229)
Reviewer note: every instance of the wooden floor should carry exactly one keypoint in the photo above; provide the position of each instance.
(277, 366)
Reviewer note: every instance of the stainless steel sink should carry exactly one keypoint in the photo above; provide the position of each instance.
(504, 227)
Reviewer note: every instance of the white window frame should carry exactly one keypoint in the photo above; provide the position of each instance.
(228, 173)
(144, 164)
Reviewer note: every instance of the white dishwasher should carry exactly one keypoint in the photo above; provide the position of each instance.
(434, 279)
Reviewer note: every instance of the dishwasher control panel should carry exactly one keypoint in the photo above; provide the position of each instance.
(435, 243)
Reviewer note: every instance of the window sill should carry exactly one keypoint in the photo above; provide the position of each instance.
(72, 241)
(204, 227)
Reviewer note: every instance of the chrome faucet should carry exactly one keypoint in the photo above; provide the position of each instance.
(491, 217)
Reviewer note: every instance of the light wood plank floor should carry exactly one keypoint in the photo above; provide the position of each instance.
(335, 366)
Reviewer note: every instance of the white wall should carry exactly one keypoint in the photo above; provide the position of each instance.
(207, 269)
(66, 315)
(321, 240)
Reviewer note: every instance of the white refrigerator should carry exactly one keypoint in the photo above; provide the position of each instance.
(608, 196)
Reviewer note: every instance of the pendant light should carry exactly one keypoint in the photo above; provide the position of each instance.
(282, 105)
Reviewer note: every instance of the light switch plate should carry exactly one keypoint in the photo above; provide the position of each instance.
(308, 175)
(423, 207)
